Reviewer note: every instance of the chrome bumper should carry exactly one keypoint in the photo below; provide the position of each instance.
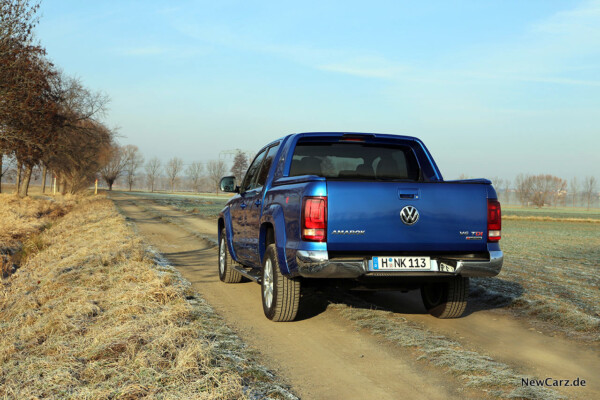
(481, 268)
(316, 264)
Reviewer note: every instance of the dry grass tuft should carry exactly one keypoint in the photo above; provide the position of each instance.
(20, 217)
(92, 315)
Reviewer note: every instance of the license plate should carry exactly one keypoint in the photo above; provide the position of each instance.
(400, 264)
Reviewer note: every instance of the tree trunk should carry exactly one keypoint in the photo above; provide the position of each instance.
(589, 199)
(109, 183)
(44, 173)
(63, 185)
(24, 188)
(18, 183)
(1, 158)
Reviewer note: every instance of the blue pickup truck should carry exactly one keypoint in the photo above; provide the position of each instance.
(369, 210)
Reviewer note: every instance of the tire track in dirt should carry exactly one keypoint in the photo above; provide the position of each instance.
(321, 355)
(500, 336)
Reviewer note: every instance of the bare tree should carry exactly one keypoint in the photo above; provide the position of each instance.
(81, 161)
(216, 170)
(152, 171)
(45, 118)
(540, 189)
(507, 191)
(547, 189)
(194, 172)
(498, 185)
(17, 21)
(30, 129)
(133, 161)
(589, 189)
(240, 165)
(27, 105)
(574, 188)
(81, 144)
(20, 75)
(523, 186)
(114, 165)
(173, 169)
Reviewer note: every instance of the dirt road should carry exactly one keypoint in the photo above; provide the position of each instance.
(323, 357)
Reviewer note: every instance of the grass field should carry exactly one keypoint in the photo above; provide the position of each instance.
(550, 274)
(551, 212)
(206, 208)
(202, 205)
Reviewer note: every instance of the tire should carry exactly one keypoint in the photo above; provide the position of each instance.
(446, 299)
(226, 273)
(280, 294)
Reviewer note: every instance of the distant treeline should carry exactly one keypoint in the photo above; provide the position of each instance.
(548, 190)
(126, 167)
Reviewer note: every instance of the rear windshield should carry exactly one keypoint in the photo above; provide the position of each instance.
(355, 161)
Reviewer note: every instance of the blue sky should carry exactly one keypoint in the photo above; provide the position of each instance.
(494, 88)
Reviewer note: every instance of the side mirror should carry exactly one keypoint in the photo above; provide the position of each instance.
(228, 184)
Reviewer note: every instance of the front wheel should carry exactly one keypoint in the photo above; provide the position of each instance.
(280, 294)
(447, 299)
(226, 273)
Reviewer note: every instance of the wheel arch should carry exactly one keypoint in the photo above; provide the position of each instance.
(220, 226)
(272, 230)
(224, 222)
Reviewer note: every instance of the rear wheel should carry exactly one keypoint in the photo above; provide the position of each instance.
(280, 294)
(446, 299)
(226, 273)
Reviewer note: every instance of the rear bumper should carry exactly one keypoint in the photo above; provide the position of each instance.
(316, 264)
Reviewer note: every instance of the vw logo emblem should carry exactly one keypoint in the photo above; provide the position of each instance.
(409, 215)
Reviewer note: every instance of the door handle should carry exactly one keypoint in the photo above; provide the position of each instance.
(409, 194)
(242, 205)
(257, 203)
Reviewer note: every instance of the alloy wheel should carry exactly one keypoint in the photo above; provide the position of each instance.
(268, 283)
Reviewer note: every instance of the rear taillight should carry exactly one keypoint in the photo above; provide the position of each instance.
(314, 219)
(494, 220)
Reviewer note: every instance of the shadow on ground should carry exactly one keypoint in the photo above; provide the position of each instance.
(484, 295)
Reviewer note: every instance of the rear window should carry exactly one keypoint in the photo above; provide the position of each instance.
(355, 161)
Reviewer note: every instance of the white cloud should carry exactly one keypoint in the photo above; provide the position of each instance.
(582, 21)
(350, 62)
(560, 49)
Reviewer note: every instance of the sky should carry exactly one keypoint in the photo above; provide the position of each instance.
(493, 88)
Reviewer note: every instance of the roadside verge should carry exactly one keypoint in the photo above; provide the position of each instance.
(94, 314)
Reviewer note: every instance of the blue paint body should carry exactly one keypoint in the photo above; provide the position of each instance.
(446, 208)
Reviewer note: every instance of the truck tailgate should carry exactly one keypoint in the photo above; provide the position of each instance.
(452, 216)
